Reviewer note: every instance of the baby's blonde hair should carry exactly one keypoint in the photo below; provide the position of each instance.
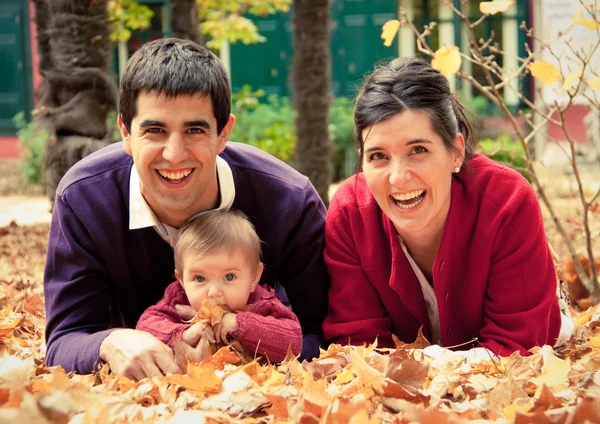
(218, 231)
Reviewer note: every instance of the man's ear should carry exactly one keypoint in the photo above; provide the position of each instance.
(124, 134)
(224, 136)
(257, 275)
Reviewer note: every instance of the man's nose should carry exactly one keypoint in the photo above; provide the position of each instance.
(175, 150)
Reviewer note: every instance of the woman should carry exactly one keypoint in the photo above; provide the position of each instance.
(430, 234)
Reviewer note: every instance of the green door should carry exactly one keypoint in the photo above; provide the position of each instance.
(14, 64)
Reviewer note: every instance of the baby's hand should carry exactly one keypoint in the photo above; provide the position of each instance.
(197, 331)
(226, 326)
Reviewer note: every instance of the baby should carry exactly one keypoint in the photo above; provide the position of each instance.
(217, 258)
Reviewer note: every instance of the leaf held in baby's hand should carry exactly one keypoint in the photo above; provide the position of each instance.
(210, 311)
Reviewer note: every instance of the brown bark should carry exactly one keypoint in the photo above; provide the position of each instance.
(78, 91)
(184, 21)
(311, 75)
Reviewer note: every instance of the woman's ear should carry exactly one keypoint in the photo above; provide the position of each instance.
(459, 145)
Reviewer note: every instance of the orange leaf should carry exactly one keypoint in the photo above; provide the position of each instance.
(278, 408)
(388, 32)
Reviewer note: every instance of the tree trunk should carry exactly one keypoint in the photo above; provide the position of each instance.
(78, 91)
(311, 74)
(184, 20)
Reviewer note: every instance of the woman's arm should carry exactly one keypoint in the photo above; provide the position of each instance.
(356, 313)
(520, 307)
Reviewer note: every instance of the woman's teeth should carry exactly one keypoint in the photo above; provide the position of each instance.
(409, 200)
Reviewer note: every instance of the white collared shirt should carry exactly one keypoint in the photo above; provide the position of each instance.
(142, 216)
(433, 313)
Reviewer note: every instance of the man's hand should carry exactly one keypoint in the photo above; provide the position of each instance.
(136, 354)
(199, 330)
(226, 326)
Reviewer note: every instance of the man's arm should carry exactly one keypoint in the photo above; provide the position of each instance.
(78, 302)
(304, 275)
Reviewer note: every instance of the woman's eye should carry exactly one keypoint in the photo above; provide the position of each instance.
(199, 279)
(230, 277)
(419, 149)
(377, 156)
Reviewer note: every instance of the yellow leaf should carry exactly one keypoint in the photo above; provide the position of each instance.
(510, 411)
(388, 32)
(571, 80)
(546, 72)
(595, 341)
(594, 83)
(588, 23)
(495, 6)
(344, 377)
(554, 370)
(447, 60)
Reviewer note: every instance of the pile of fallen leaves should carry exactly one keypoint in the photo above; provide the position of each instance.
(412, 383)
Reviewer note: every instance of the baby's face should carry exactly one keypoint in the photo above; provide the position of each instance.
(225, 278)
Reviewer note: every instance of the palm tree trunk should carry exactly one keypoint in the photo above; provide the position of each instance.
(311, 75)
(78, 90)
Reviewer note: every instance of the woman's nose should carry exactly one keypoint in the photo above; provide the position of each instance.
(400, 173)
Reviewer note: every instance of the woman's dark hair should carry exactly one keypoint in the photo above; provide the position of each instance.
(175, 68)
(411, 84)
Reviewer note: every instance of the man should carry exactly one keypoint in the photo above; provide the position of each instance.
(118, 210)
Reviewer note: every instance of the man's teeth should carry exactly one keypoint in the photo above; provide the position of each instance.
(175, 175)
(408, 196)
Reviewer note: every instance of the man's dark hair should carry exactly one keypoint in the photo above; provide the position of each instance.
(175, 67)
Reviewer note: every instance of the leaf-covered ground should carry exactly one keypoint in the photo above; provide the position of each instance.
(413, 383)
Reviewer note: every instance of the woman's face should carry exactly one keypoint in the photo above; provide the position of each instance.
(409, 171)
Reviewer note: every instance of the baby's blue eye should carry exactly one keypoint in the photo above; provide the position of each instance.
(199, 279)
(230, 277)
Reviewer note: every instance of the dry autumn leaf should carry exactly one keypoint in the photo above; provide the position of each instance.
(388, 32)
(571, 80)
(546, 72)
(447, 60)
(495, 6)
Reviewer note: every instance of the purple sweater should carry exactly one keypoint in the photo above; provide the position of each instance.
(101, 276)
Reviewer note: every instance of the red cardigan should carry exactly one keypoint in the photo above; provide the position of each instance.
(268, 329)
(493, 275)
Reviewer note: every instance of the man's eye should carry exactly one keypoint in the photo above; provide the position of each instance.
(419, 149)
(196, 131)
(230, 277)
(377, 156)
(199, 279)
(154, 130)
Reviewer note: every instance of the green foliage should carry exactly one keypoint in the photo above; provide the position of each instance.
(506, 151)
(223, 20)
(126, 16)
(33, 148)
(112, 126)
(268, 126)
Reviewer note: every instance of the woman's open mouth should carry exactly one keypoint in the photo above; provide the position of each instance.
(175, 177)
(409, 200)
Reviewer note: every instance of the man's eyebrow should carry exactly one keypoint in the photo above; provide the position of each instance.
(151, 123)
(198, 123)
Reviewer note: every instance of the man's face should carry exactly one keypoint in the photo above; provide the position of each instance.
(174, 145)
